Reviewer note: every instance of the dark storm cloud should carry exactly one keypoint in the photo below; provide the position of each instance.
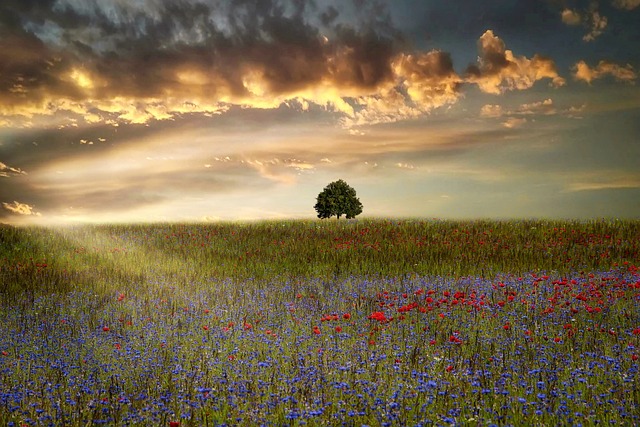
(132, 62)
(329, 15)
(84, 51)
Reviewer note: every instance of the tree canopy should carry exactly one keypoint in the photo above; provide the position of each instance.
(338, 199)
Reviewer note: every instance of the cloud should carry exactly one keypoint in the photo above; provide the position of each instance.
(575, 112)
(491, 110)
(571, 17)
(154, 61)
(597, 24)
(405, 166)
(610, 180)
(545, 107)
(7, 171)
(429, 78)
(514, 122)
(515, 119)
(626, 4)
(387, 107)
(20, 208)
(590, 18)
(499, 70)
(583, 72)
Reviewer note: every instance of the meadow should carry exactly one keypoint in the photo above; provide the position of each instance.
(363, 322)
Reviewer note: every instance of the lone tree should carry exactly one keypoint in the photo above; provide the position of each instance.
(338, 199)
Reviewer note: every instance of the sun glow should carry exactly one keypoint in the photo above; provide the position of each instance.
(82, 79)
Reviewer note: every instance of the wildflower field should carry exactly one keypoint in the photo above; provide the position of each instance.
(368, 322)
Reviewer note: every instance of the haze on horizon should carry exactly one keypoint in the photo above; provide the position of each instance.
(157, 110)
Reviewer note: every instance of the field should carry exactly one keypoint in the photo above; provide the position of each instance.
(364, 322)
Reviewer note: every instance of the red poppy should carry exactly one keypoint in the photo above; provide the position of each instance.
(454, 339)
(338, 329)
(346, 316)
(174, 424)
(449, 368)
(106, 328)
(378, 315)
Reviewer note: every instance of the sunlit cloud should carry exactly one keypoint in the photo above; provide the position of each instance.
(405, 166)
(264, 61)
(429, 78)
(7, 171)
(582, 71)
(514, 122)
(20, 208)
(571, 17)
(544, 107)
(499, 70)
(491, 110)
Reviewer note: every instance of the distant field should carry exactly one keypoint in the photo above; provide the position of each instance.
(365, 322)
(131, 256)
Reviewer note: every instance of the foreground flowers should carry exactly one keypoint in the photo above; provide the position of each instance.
(525, 350)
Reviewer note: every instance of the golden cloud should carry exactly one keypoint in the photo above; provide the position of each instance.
(583, 72)
(514, 122)
(359, 75)
(491, 110)
(499, 70)
(20, 208)
(6, 171)
(429, 78)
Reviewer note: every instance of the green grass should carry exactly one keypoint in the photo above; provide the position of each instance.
(103, 255)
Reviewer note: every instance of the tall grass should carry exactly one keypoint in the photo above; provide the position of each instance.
(134, 255)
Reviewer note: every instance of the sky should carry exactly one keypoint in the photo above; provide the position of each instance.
(201, 110)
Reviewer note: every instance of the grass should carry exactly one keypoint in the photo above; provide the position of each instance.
(367, 322)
